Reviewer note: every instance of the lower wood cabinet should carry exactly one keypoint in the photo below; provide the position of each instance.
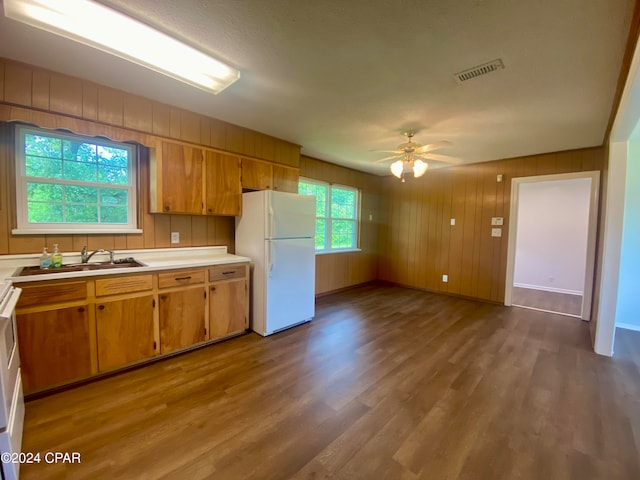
(124, 331)
(73, 329)
(54, 346)
(226, 306)
(182, 318)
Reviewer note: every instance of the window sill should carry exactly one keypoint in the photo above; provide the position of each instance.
(345, 250)
(49, 231)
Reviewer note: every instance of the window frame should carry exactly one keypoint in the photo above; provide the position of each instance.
(24, 227)
(328, 218)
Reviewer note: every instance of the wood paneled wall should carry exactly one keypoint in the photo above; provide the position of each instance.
(53, 100)
(194, 230)
(35, 88)
(335, 271)
(417, 243)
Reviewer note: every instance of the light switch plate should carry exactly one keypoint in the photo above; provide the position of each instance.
(497, 220)
(175, 237)
(445, 278)
(496, 232)
(453, 221)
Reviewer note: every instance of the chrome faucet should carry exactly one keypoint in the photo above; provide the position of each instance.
(85, 256)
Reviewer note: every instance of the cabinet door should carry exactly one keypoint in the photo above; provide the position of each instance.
(181, 179)
(285, 179)
(182, 317)
(223, 188)
(256, 175)
(124, 331)
(54, 347)
(228, 308)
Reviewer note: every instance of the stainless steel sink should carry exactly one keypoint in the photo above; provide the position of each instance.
(79, 267)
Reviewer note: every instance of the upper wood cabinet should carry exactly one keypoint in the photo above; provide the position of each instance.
(223, 191)
(256, 175)
(176, 179)
(194, 181)
(259, 175)
(285, 179)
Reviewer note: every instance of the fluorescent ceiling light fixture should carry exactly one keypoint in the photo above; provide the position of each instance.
(95, 25)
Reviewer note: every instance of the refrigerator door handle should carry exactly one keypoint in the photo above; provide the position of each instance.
(270, 222)
(270, 259)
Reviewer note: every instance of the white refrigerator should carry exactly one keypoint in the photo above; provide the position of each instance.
(276, 231)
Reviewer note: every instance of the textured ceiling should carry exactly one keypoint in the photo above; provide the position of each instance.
(345, 78)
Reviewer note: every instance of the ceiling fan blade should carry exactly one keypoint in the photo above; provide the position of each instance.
(439, 158)
(387, 158)
(397, 152)
(432, 146)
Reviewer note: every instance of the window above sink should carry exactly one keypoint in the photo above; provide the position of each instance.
(67, 182)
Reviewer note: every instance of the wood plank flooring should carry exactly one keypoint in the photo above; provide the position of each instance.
(562, 303)
(385, 383)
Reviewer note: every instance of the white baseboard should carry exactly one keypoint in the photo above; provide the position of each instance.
(548, 289)
(628, 326)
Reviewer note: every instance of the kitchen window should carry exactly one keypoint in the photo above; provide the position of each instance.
(337, 213)
(70, 183)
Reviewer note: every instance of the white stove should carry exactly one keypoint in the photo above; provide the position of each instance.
(11, 397)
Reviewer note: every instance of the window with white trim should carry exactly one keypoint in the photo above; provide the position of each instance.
(71, 183)
(337, 214)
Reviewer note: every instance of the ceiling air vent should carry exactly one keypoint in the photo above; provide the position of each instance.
(483, 69)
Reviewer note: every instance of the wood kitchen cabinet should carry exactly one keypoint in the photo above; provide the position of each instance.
(72, 330)
(182, 309)
(125, 331)
(256, 175)
(195, 181)
(259, 175)
(223, 191)
(285, 179)
(228, 300)
(54, 347)
(226, 304)
(176, 179)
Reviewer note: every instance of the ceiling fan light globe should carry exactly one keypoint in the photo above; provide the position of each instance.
(419, 168)
(397, 168)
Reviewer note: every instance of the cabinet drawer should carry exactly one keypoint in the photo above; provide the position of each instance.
(51, 293)
(134, 283)
(226, 272)
(180, 278)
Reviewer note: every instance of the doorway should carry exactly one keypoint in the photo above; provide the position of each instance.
(551, 251)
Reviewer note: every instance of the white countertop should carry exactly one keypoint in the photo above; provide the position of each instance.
(155, 259)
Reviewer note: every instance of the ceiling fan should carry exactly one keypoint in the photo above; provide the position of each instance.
(412, 156)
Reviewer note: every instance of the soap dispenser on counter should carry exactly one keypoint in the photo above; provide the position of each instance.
(56, 259)
(45, 259)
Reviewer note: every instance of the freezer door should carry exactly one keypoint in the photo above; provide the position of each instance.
(290, 283)
(290, 215)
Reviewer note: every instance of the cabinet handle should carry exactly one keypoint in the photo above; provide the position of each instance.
(154, 345)
(229, 272)
(183, 278)
(153, 303)
(163, 297)
(210, 210)
(100, 307)
(81, 310)
(213, 289)
(167, 208)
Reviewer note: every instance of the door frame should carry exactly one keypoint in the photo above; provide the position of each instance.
(591, 233)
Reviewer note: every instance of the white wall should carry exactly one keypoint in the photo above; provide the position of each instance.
(628, 304)
(552, 232)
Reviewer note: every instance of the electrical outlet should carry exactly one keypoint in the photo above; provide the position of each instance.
(496, 232)
(175, 237)
(445, 278)
(452, 221)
